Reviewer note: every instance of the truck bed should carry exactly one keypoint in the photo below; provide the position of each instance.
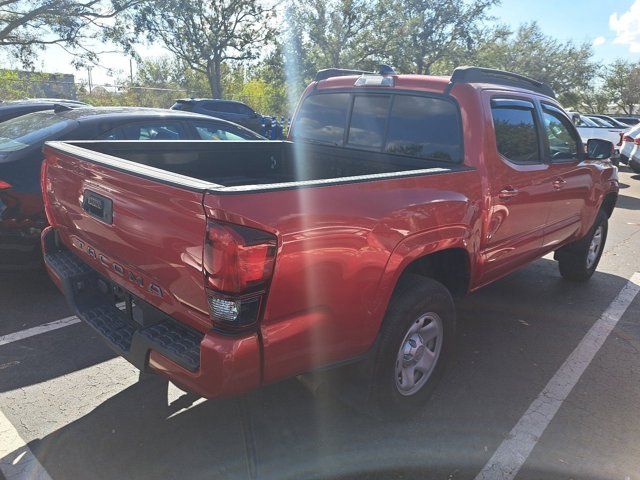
(249, 165)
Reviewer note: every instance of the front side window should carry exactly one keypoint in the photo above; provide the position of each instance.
(424, 127)
(516, 133)
(323, 118)
(562, 144)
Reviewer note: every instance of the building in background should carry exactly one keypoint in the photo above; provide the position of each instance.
(18, 84)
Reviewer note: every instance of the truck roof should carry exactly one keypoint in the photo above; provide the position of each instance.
(477, 76)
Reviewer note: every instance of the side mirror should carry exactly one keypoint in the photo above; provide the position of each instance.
(598, 149)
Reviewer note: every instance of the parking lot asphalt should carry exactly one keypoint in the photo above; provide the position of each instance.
(69, 408)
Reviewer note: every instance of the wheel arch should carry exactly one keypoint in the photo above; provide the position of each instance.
(427, 256)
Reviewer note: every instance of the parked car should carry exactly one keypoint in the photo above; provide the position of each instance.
(631, 147)
(612, 121)
(628, 143)
(631, 121)
(21, 140)
(236, 112)
(12, 109)
(264, 260)
(591, 128)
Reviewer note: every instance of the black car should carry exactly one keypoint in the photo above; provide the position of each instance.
(236, 112)
(13, 109)
(21, 140)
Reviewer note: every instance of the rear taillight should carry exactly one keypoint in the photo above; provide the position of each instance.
(627, 138)
(4, 185)
(637, 140)
(238, 263)
(621, 137)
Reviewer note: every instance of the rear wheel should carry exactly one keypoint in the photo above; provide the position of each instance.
(578, 260)
(414, 344)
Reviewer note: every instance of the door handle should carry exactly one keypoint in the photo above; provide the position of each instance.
(558, 183)
(507, 192)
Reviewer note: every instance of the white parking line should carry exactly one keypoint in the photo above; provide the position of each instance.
(17, 461)
(516, 448)
(30, 332)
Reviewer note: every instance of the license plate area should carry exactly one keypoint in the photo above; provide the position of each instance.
(98, 206)
(136, 311)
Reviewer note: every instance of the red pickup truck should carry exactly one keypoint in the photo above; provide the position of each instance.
(225, 266)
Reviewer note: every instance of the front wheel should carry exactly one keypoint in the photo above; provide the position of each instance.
(414, 344)
(578, 260)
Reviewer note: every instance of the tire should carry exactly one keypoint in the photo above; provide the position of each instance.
(635, 166)
(578, 260)
(420, 307)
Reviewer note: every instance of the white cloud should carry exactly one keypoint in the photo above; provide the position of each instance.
(627, 27)
(599, 41)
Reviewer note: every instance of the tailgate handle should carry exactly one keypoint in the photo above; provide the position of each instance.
(98, 206)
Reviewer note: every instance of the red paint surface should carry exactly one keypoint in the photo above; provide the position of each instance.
(341, 248)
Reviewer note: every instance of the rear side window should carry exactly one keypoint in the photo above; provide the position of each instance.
(154, 131)
(516, 133)
(212, 131)
(323, 118)
(424, 127)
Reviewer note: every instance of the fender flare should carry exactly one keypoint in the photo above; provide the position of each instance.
(411, 249)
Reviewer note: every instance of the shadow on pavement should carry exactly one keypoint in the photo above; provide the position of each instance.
(513, 336)
(628, 203)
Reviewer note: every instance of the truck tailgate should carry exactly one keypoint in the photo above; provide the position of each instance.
(144, 234)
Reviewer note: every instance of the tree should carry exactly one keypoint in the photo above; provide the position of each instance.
(622, 84)
(203, 34)
(416, 34)
(594, 100)
(333, 32)
(568, 68)
(26, 27)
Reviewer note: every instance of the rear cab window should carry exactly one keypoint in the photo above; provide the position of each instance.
(31, 129)
(422, 126)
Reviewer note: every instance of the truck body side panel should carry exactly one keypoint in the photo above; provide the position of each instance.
(326, 299)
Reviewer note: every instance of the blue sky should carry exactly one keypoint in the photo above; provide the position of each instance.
(614, 23)
(580, 21)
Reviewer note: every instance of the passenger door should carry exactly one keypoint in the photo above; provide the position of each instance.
(518, 178)
(570, 179)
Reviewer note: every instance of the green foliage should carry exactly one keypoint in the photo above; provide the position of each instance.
(567, 67)
(205, 35)
(27, 27)
(237, 49)
(417, 34)
(622, 85)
